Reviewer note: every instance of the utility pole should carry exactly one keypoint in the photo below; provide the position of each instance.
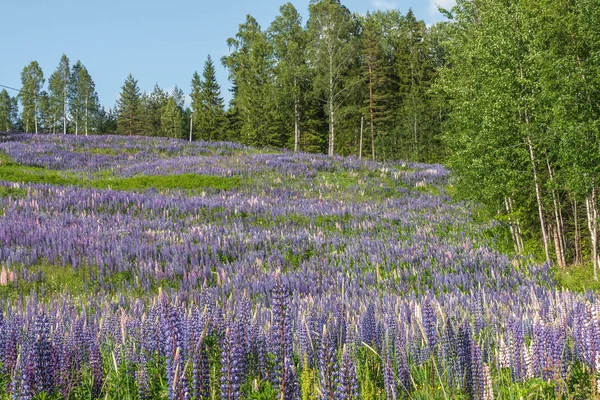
(191, 119)
(362, 121)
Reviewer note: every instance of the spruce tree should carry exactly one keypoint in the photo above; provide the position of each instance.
(250, 67)
(129, 110)
(209, 111)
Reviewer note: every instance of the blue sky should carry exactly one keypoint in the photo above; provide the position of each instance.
(160, 42)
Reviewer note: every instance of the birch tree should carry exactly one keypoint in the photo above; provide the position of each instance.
(332, 33)
(32, 81)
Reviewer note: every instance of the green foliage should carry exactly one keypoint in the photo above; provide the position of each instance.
(577, 278)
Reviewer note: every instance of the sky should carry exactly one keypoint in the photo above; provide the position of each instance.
(159, 42)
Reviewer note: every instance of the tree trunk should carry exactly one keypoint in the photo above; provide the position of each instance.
(538, 196)
(592, 217)
(296, 118)
(518, 226)
(511, 226)
(577, 234)
(558, 232)
(86, 116)
(65, 111)
(296, 126)
(331, 108)
(35, 113)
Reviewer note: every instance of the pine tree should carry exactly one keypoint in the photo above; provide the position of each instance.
(129, 110)
(32, 80)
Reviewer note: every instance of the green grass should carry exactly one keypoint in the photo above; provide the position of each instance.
(49, 280)
(183, 181)
(13, 172)
(12, 192)
(577, 278)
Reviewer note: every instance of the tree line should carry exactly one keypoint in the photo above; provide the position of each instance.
(342, 83)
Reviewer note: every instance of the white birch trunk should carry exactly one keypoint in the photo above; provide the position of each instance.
(592, 217)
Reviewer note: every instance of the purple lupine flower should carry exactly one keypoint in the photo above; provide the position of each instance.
(465, 357)
(389, 379)
(488, 389)
(41, 355)
(477, 372)
(200, 371)
(478, 312)
(402, 361)
(347, 382)
(292, 390)
(328, 365)
(97, 370)
(231, 365)
(281, 340)
(176, 377)
(142, 383)
(518, 367)
(368, 326)
(429, 322)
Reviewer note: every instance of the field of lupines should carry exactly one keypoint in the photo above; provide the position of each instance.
(138, 268)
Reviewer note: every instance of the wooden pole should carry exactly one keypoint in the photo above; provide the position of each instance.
(362, 120)
(191, 119)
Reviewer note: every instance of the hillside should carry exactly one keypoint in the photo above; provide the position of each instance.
(155, 268)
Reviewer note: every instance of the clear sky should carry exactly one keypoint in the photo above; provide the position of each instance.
(157, 41)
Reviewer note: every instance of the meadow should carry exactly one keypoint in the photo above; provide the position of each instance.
(147, 268)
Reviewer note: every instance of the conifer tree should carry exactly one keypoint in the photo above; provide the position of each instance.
(209, 112)
(129, 110)
(250, 67)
